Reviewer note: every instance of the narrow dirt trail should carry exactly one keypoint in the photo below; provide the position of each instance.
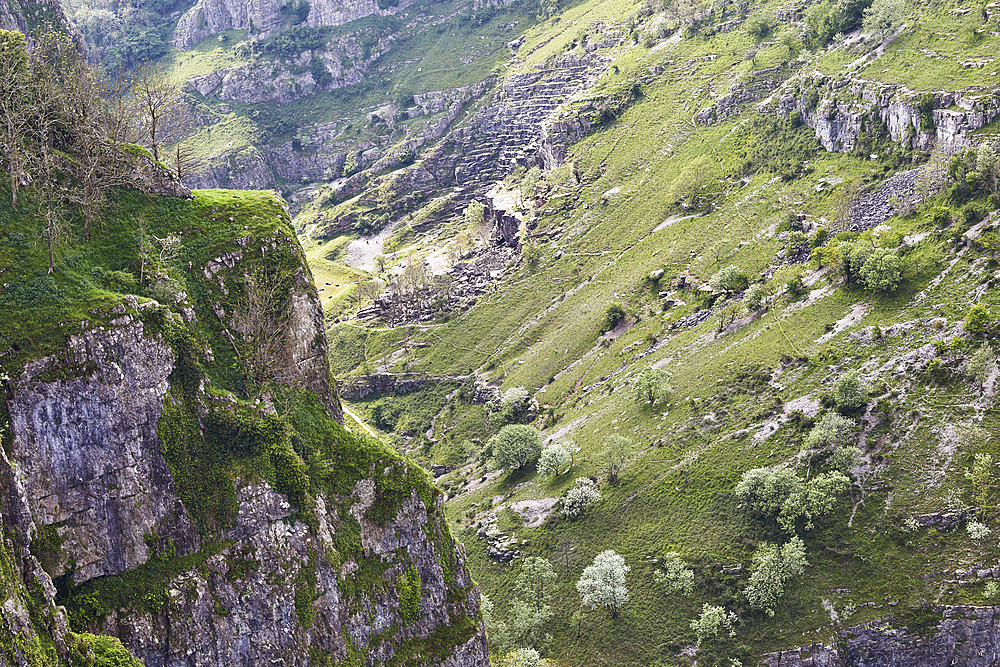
(350, 413)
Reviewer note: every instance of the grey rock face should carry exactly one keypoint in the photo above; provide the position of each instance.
(11, 17)
(264, 17)
(14, 15)
(18, 566)
(965, 636)
(88, 453)
(86, 465)
(226, 613)
(151, 178)
(839, 122)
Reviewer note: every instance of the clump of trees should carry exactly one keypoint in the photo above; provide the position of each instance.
(883, 17)
(521, 634)
(870, 259)
(825, 20)
(712, 620)
(67, 128)
(780, 494)
(974, 173)
(978, 320)
(614, 315)
(514, 406)
(773, 566)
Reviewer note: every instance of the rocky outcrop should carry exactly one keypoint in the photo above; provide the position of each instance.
(11, 17)
(457, 290)
(345, 62)
(264, 18)
(967, 636)
(390, 383)
(758, 85)
(23, 613)
(87, 452)
(510, 131)
(919, 120)
(153, 179)
(871, 209)
(320, 152)
(25, 17)
(240, 606)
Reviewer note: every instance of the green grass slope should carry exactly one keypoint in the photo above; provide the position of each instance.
(747, 387)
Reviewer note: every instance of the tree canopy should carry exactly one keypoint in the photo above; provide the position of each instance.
(515, 446)
(602, 584)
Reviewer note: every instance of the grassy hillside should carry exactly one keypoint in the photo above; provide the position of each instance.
(747, 387)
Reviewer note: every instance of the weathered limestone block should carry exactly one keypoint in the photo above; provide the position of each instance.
(88, 453)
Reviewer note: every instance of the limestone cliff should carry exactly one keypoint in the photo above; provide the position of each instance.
(24, 17)
(941, 120)
(176, 474)
(961, 636)
(263, 19)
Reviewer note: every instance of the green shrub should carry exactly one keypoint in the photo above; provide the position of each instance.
(773, 566)
(515, 446)
(408, 585)
(978, 319)
(941, 216)
(613, 316)
(882, 270)
(729, 279)
(851, 392)
(27, 293)
(87, 650)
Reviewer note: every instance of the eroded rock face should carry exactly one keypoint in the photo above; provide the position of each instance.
(265, 17)
(87, 450)
(18, 15)
(966, 636)
(240, 608)
(904, 112)
(151, 178)
(85, 486)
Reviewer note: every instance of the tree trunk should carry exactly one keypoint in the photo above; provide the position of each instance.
(49, 231)
(88, 215)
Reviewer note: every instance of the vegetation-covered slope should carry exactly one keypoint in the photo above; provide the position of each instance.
(654, 200)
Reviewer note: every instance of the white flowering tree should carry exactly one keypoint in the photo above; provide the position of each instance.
(555, 458)
(602, 584)
(580, 497)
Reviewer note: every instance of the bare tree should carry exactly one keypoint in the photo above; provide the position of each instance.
(120, 109)
(47, 98)
(15, 108)
(156, 101)
(261, 317)
(184, 159)
(369, 290)
(86, 99)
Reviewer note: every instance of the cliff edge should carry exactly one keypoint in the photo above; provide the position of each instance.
(175, 470)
